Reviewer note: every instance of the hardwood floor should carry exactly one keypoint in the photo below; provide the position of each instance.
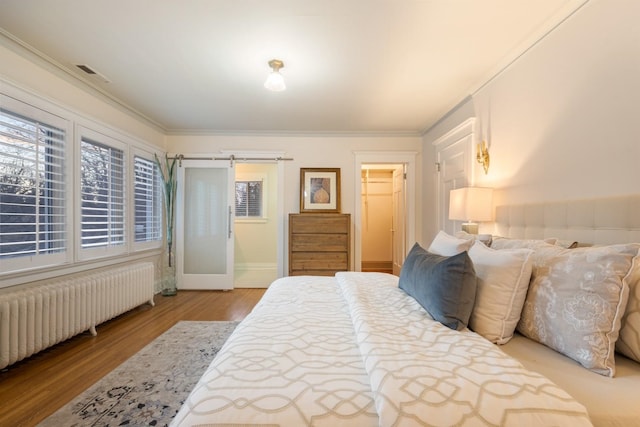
(36, 387)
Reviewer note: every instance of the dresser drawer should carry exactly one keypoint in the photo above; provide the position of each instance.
(332, 261)
(319, 224)
(319, 244)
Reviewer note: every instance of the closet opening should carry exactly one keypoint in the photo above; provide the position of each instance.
(382, 217)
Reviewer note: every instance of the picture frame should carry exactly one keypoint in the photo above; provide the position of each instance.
(319, 190)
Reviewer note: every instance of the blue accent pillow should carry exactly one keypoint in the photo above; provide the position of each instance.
(444, 286)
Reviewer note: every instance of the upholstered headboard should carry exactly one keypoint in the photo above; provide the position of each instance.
(589, 221)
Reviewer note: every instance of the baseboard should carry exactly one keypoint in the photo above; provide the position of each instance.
(254, 275)
(383, 266)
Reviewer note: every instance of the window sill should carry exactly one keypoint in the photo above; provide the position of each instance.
(251, 220)
(44, 273)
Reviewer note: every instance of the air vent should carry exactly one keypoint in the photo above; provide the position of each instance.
(93, 73)
(86, 69)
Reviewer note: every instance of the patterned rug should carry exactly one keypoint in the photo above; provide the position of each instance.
(149, 388)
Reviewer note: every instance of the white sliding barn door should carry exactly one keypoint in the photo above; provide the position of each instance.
(204, 225)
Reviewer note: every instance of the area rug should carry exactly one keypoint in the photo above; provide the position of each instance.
(149, 388)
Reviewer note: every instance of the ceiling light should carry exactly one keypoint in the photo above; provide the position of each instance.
(275, 81)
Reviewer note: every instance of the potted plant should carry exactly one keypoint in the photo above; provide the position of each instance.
(169, 188)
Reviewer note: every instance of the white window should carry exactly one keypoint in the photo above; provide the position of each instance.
(147, 200)
(102, 195)
(249, 199)
(33, 200)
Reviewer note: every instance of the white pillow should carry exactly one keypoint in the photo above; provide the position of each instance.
(446, 245)
(503, 279)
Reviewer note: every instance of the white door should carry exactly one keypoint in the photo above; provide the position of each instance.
(399, 242)
(204, 225)
(453, 161)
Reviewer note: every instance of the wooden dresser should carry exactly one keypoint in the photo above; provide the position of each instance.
(319, 243)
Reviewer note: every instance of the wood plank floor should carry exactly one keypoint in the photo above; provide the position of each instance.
(36, 387)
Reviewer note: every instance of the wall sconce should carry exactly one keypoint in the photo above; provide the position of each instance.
(482, 156)
(471, 204)
(275, 81)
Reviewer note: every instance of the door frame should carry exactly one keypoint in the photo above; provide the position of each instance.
(407, 158)
(279, 158)
(463, 135)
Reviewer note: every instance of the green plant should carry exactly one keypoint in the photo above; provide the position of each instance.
(169, 188)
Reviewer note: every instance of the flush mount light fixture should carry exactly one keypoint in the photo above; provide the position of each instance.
(275, 81)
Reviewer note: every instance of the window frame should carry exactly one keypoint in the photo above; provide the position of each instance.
(148, 244)
(108, 250)
(24, 269)
(250, 177)
(36, 114)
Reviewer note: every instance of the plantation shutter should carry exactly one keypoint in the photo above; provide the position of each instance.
(147, 200)
(102, 195)
(32, 179)
(249, 199)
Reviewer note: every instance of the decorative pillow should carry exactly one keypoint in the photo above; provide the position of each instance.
(444, 286)
(576, 301)
(446, 245)
(507, 243)
(503, 280)
(629, 340)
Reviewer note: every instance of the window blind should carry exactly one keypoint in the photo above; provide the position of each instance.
(249, 199)
(101, 194)
(147, 200)
(32, 193)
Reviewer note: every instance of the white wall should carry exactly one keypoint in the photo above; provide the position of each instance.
(561, 120)
(308, 151)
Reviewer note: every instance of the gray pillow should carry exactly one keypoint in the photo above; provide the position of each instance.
(444, 286)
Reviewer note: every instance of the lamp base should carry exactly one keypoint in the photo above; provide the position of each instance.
(470, 227)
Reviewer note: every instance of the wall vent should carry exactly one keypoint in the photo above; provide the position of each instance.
(90, 71)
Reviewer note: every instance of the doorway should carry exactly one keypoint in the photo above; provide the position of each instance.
(256, 225)
(382, 217)
(404, 226)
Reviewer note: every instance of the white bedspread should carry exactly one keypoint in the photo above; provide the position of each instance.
(355, 350)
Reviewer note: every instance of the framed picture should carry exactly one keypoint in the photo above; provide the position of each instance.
(320, 190)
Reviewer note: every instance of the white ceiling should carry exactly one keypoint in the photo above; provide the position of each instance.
(351, 66)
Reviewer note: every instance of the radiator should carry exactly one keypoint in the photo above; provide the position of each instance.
(36, 317)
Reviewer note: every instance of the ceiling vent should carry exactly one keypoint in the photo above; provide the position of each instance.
(91, 72)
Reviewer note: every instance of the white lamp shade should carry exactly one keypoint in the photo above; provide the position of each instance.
(471, 204)
(275, 82)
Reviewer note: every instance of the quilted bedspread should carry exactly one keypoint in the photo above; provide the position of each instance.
(355, 350)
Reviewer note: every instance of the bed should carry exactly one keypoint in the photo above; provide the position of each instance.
(370, 349)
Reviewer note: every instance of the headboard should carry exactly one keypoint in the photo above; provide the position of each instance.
(588, 221)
